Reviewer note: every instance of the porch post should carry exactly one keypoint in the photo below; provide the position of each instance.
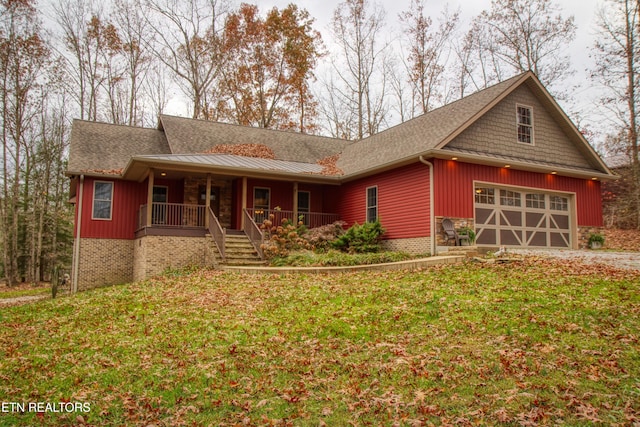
(295, 203)
(150, 198)
(244, 200)
(207, 203)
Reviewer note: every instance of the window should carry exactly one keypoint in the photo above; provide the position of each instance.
(372, 204)
(102, 200)
(304, 206)
(535, 201)
(558, 203)
(525, 124)
(261, 203)
(509, 198)
(486, 196)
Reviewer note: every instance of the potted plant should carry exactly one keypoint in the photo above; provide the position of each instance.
(596, 240)
(468, 231)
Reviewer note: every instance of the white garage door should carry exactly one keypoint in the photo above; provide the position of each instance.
(521, 218)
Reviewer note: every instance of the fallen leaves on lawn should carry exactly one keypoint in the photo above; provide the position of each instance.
(533, 342)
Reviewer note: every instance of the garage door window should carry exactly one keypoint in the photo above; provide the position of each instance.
(559, 203)
(509, 198)
(535, 201)
(485, 196)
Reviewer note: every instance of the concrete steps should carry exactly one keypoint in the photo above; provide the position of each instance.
(467, 251)
(239, 251)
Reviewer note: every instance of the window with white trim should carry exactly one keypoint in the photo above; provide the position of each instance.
(372, 204)
(102, 200)
(525, 124)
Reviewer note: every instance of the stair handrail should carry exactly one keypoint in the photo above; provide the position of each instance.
(253, 232)
(218, 233)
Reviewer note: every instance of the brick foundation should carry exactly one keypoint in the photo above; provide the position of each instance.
(104, 262)
(416, 245)
(154, 254)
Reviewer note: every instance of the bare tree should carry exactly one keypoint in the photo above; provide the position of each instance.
(80, 21)
(187, 41)
(617, 55)
(428, 53)
(357, 31)
(24, 55)
(518, 36)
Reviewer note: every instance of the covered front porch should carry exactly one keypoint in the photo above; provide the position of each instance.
(182, 203)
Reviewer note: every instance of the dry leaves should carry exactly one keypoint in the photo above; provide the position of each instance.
(247, 150)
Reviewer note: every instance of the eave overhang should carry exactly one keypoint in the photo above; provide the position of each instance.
(139, 167)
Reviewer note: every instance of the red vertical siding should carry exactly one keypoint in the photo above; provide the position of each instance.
(454, 181)
(127, 198)
(403, 201)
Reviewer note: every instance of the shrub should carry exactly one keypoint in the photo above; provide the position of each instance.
(321, 238)
(284, 238)
(333, 258)
(363, 238)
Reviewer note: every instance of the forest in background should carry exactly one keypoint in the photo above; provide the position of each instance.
(119, 62)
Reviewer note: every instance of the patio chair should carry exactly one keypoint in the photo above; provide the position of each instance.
(451, 233)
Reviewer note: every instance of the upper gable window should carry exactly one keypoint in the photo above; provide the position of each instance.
(525, 124)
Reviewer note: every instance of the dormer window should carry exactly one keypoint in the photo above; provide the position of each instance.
(525, 124)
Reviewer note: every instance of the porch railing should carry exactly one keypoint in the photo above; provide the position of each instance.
(310, 219)
(172, 215)
(218, 233)
(253, 232)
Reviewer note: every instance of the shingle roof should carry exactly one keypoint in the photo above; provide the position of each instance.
(198, 136)
(100, 147)
(417, 136)
(104, 147)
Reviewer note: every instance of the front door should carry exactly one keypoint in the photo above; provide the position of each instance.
(159, 207)
(214, 199)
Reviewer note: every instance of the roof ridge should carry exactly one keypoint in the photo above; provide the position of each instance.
(259, 129)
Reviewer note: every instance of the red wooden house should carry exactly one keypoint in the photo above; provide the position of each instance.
(506, 161)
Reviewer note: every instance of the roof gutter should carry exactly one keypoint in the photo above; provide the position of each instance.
(432, 216)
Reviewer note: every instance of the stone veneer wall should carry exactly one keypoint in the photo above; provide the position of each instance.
(104, 262)
(457, 223)
(415, 245)
(192, 192)
(585, 232)
(154, 254)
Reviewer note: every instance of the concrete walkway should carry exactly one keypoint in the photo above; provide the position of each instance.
(414, 264)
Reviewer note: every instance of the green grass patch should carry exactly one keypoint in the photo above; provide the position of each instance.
(533, 342)
(41, 290)
(335, 258)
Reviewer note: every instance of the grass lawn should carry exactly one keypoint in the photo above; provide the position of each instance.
(535, 342)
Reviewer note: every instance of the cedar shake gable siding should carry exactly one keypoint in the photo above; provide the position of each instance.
(495, 134)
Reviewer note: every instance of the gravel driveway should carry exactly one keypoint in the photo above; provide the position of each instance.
(626, 260)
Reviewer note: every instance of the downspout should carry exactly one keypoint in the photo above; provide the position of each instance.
(76, 255)
(432, 216)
